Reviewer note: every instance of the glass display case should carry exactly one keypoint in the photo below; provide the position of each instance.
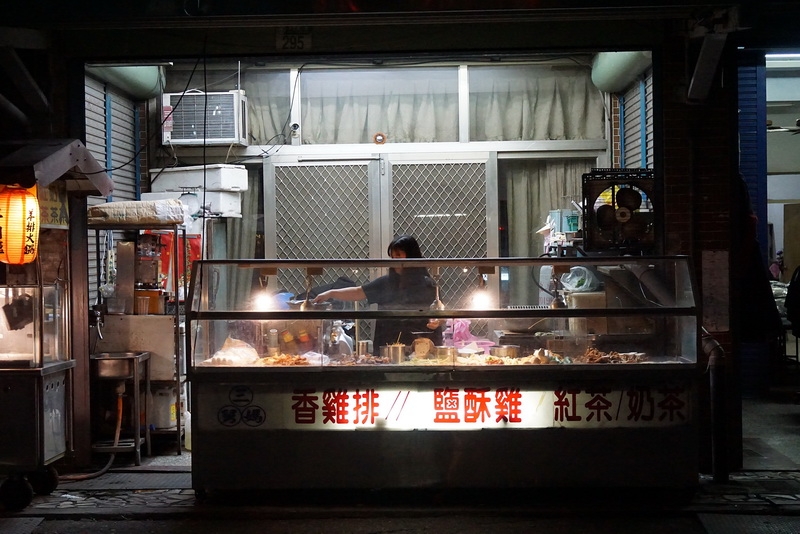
(33, 329)
(35, 367)
(537, 357)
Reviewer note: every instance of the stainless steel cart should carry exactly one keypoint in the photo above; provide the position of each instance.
(33, 415)
(123, 370)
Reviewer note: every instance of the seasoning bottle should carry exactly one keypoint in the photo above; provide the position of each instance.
(304, 340)
(288, 343)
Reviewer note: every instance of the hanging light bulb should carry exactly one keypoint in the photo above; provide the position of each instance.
(481, 299)
(19, 225)
(263, 299)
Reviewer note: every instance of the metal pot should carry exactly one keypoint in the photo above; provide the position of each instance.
(396, 353)
(505, 351)
(445, 352)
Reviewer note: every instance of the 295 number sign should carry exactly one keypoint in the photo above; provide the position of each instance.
(294, 39)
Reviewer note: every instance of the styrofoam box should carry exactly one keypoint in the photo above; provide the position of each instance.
(220, 203)
(218, 177)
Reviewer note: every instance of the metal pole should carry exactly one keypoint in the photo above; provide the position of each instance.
(716, 366)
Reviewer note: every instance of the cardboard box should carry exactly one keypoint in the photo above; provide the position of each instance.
(219, 177)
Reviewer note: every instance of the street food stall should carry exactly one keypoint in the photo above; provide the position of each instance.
(34, 389)
(570, 372)
(40, 376)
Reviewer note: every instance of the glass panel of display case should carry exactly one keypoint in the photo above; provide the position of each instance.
(502, 311)
(18, 327)
(54, 331)
(233, 285)
(24, 341)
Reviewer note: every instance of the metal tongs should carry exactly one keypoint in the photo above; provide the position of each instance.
(304, 305)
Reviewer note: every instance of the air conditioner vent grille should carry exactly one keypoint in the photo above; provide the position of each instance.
(205, 118)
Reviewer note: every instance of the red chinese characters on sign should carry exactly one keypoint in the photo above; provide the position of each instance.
(338, 405)
(335, 406)
(508, 405)
(671, 405)
(481, 407)
(305, 406)
(366, 407)
(565, 406)
(643, 405)
(476, 405)
(599, 406)
(446, 404)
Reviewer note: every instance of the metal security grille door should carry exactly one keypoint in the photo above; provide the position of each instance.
(444, 205)
(353, 209)
(321, 211)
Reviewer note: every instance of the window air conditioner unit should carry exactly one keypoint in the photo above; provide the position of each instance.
(197, 118)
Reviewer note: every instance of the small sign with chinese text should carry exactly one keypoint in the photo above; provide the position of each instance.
(53, 206)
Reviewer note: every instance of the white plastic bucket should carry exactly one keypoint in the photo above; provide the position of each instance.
(164, 408)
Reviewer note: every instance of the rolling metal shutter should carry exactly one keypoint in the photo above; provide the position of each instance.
(636, 109)
(753, 142)
(111, 137)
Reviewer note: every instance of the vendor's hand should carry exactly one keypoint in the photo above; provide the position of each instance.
(322, 297)
(433, 324)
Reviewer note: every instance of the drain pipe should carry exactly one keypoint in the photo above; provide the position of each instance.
(716, 367)
(117, 430)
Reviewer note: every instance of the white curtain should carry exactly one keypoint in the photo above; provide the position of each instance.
(420, 105)
(534, 103)
(268, 100)
(405, 105)
(241, 237)
(533, 188)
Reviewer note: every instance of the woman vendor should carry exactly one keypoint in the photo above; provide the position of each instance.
(402, 289)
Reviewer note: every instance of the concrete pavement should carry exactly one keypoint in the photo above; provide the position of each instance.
(130, 501)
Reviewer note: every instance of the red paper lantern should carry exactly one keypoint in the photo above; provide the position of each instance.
(19, 225)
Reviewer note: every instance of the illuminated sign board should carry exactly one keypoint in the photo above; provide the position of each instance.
(439, 408)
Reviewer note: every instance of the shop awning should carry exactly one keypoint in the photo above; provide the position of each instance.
(42, 162)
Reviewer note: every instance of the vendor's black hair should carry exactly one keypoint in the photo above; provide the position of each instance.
(407, 244)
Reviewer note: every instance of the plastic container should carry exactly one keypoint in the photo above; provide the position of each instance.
(478, 345)
(115, 306)
(273, 347)
(164, 408)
